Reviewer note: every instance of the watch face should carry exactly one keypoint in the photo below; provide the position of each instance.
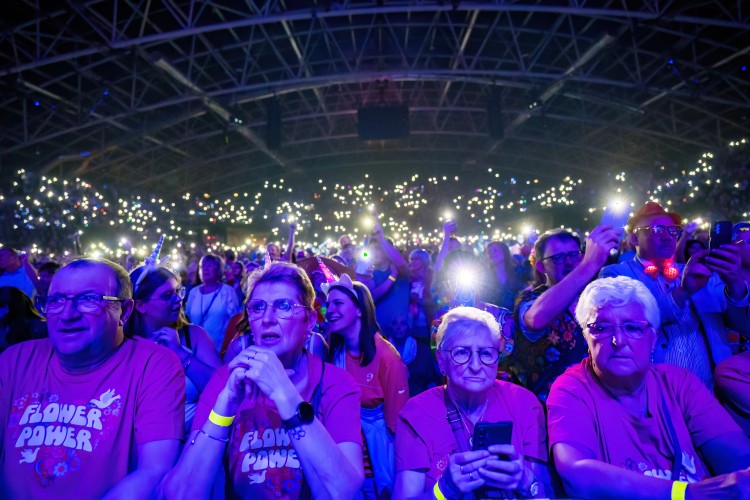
(305, 412)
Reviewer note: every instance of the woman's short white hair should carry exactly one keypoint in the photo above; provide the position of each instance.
(616, 292)
(464, 321)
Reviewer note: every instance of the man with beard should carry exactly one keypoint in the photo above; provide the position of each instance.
(548, 339)
(700, 302)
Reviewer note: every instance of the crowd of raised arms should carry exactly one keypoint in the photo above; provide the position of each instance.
(610, 365)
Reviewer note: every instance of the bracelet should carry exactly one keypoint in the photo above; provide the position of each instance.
(390, 277)
(678, 490)
(220, 420)
(436, 491)
(201, 431)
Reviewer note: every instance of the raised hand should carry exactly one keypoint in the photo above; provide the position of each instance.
(696, 274)
(601, 241)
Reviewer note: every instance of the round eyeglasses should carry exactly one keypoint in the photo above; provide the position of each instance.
(462, 354)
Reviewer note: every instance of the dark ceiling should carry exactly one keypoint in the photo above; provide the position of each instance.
(173, 95)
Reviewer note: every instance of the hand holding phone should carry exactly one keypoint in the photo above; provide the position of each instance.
(721, 234)
(489, 433)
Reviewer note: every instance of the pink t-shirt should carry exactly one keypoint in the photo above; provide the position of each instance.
(583, 414)
(260, 459)
(425, 440)
(76, 436)
(732, 378)
(384, 381)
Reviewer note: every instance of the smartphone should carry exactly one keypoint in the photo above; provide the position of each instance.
(489, 433)
(721, 234)
(616, 216)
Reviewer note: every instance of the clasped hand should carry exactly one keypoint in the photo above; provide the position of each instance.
(501, 467)
(254, 371)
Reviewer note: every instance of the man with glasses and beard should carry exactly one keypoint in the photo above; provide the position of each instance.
(88, 413)
(700, 302)
(548, 339)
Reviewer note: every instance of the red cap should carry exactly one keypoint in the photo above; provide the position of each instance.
(651, 209)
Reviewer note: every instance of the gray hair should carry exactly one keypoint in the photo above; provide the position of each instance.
(616, 292)
(466, 321)
(124, 286)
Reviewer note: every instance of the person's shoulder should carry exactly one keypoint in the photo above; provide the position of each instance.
(517, 395)
(739, 363)
(621, 268)
(531, 294)
(337, 378)
(26, 350)
(146, 351)
(424, 406)
(575, 376)
(673, 376)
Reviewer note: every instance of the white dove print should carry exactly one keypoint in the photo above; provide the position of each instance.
(105, 399)
(257, 478)
(29, 457)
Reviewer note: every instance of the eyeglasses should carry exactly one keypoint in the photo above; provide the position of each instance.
(462, 354)
(282, 308)
(631, 329)
(658, 229)
(170, 295)
(560, 258)
(84, 303)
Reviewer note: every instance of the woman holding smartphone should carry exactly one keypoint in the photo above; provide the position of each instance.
(439, 459)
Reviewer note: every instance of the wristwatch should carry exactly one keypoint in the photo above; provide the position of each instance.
(304, 415)
(531, 489)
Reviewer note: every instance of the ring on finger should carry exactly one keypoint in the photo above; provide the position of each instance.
(461, 468)
(471, 476)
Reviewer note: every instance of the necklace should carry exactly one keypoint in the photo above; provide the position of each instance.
(464, 418)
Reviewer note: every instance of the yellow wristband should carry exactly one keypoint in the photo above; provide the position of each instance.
(678, 490)
(217, 419)
(390, 277)
(436, 491)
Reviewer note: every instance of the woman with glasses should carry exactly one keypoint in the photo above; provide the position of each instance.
(158, 316)
(279, 421)
(621, 426)
(358, 347)
(439, 451)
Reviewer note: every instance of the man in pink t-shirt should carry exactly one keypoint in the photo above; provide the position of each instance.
(88, 413)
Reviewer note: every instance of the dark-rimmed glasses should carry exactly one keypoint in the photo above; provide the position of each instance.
(631, 329)
(462, 354)
(658, 229)
(282, 308)
(84, 302)
(560, 258)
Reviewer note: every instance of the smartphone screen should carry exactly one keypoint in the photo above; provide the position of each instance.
(488, 433)
(721, 234)
(615, 216)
